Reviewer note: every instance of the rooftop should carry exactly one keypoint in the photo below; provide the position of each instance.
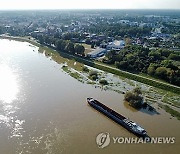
(96, 51)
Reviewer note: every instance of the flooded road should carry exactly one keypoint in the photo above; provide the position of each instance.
(44, 111)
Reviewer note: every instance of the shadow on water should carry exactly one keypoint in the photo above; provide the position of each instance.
(148, 109)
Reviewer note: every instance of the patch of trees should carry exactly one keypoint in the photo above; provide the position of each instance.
(2, 30)
(103, 82)
(61, 45)
(171, 28)
(85, 69)
(74, 36)
(160, 63)
(134, 98)
(118, 29)
(93, 75)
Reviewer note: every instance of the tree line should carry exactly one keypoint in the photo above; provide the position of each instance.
(118, 29)
(160, 63)
(61, 45)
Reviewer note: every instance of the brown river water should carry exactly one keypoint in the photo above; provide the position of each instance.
(44, 110)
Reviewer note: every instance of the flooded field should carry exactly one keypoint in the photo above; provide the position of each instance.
(43, 110)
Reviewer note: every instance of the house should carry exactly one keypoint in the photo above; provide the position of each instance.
(98, 52)
(103, 45)
(116, 45)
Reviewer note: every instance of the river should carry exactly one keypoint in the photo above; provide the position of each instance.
(43, 110)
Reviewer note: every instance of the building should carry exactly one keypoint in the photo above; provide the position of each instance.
(116, 45)
(98, 52)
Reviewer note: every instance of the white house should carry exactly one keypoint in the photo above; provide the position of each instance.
(116, 45)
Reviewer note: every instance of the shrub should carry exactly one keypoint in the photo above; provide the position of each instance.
(103, 82)
(134, 98)
(94, 77)
(93, 73)
(85, 69)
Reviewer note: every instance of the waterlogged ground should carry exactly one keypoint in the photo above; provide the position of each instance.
(43, 108)
(122, 85)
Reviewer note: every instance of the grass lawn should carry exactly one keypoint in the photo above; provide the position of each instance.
(87, 48)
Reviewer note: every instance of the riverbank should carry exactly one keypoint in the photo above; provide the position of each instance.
(74, 65)
(104, 67)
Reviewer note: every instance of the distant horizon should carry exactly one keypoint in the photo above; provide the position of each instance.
(81, 9)
(89, 4)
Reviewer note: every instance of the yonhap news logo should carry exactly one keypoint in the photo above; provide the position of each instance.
(104, 139)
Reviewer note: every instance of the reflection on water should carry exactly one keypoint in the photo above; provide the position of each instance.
(126, 105)
(8, 95)
(8, 84)
(145, 109)
(9, 90)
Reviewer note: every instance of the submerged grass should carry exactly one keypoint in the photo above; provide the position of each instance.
(171, 111)
(75, 75)
(65, 69)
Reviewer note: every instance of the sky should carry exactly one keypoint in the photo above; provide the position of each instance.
(88, 4)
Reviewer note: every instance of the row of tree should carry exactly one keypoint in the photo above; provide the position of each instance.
(119, 29)
(159, 63)
(61, 45)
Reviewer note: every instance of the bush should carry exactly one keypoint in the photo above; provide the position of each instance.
(134, 98)
(161, 72)
(85, 69)
(137, 91)
(103, 82)
(93, 73)
(173, 56)
(151, 70)
(94, 77)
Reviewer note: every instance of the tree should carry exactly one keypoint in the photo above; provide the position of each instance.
(165, 53)
(169, 64)
(63, 45)
(1, 30)
(91, 73)
(156, 44)
(41, 39)
(122, 64)
(134, 98)
(103, 82)
(70, 47)
(173, 56)
(111, 56)
(92, 45)
(137, 91)
(127, 41)
(79, 49)
(88, 41)
(58, 44)
(155, 54)
(47, 40)
(161, 72)
(151, 70)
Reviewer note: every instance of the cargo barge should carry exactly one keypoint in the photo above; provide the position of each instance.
(118, 118)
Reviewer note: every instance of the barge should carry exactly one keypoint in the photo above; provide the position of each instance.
(118, 118)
